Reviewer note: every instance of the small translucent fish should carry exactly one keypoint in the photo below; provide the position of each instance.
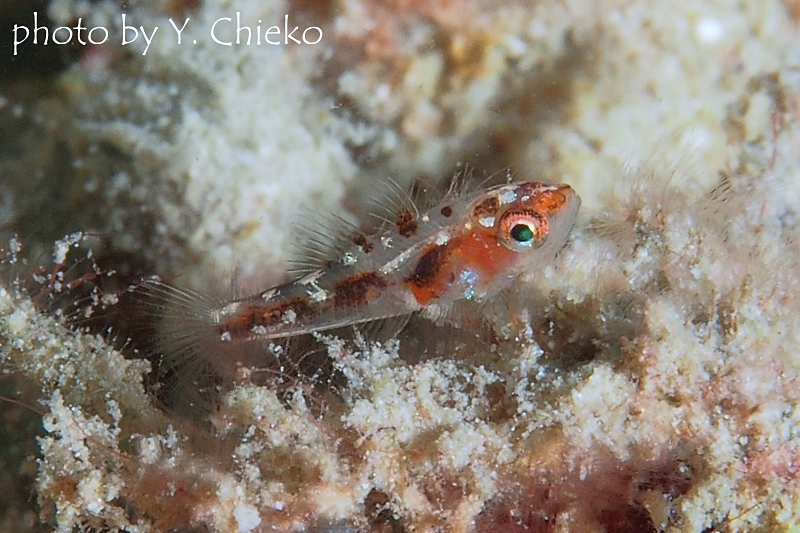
(468, 247)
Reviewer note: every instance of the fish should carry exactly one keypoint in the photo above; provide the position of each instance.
(468, 247)
(435, 261)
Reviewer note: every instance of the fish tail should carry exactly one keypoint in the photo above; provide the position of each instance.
(191, 362)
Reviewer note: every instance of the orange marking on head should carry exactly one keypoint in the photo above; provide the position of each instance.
(441, 266)
(487, 208)
(549, 202)
(481, 252)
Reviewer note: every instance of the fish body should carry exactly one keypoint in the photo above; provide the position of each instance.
(468, 247)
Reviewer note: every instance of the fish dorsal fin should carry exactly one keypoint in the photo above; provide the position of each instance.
(467, 183)
(392, 205)
(460, 183)
(318, 239)
(322, 238)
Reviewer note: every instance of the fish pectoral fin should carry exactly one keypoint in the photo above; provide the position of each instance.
(383, 329)
(434, 312)
(469, 316)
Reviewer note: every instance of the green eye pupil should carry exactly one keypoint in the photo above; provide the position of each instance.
(521, 233)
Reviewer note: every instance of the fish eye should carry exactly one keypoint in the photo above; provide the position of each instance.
(523, 230)
(521, 233)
